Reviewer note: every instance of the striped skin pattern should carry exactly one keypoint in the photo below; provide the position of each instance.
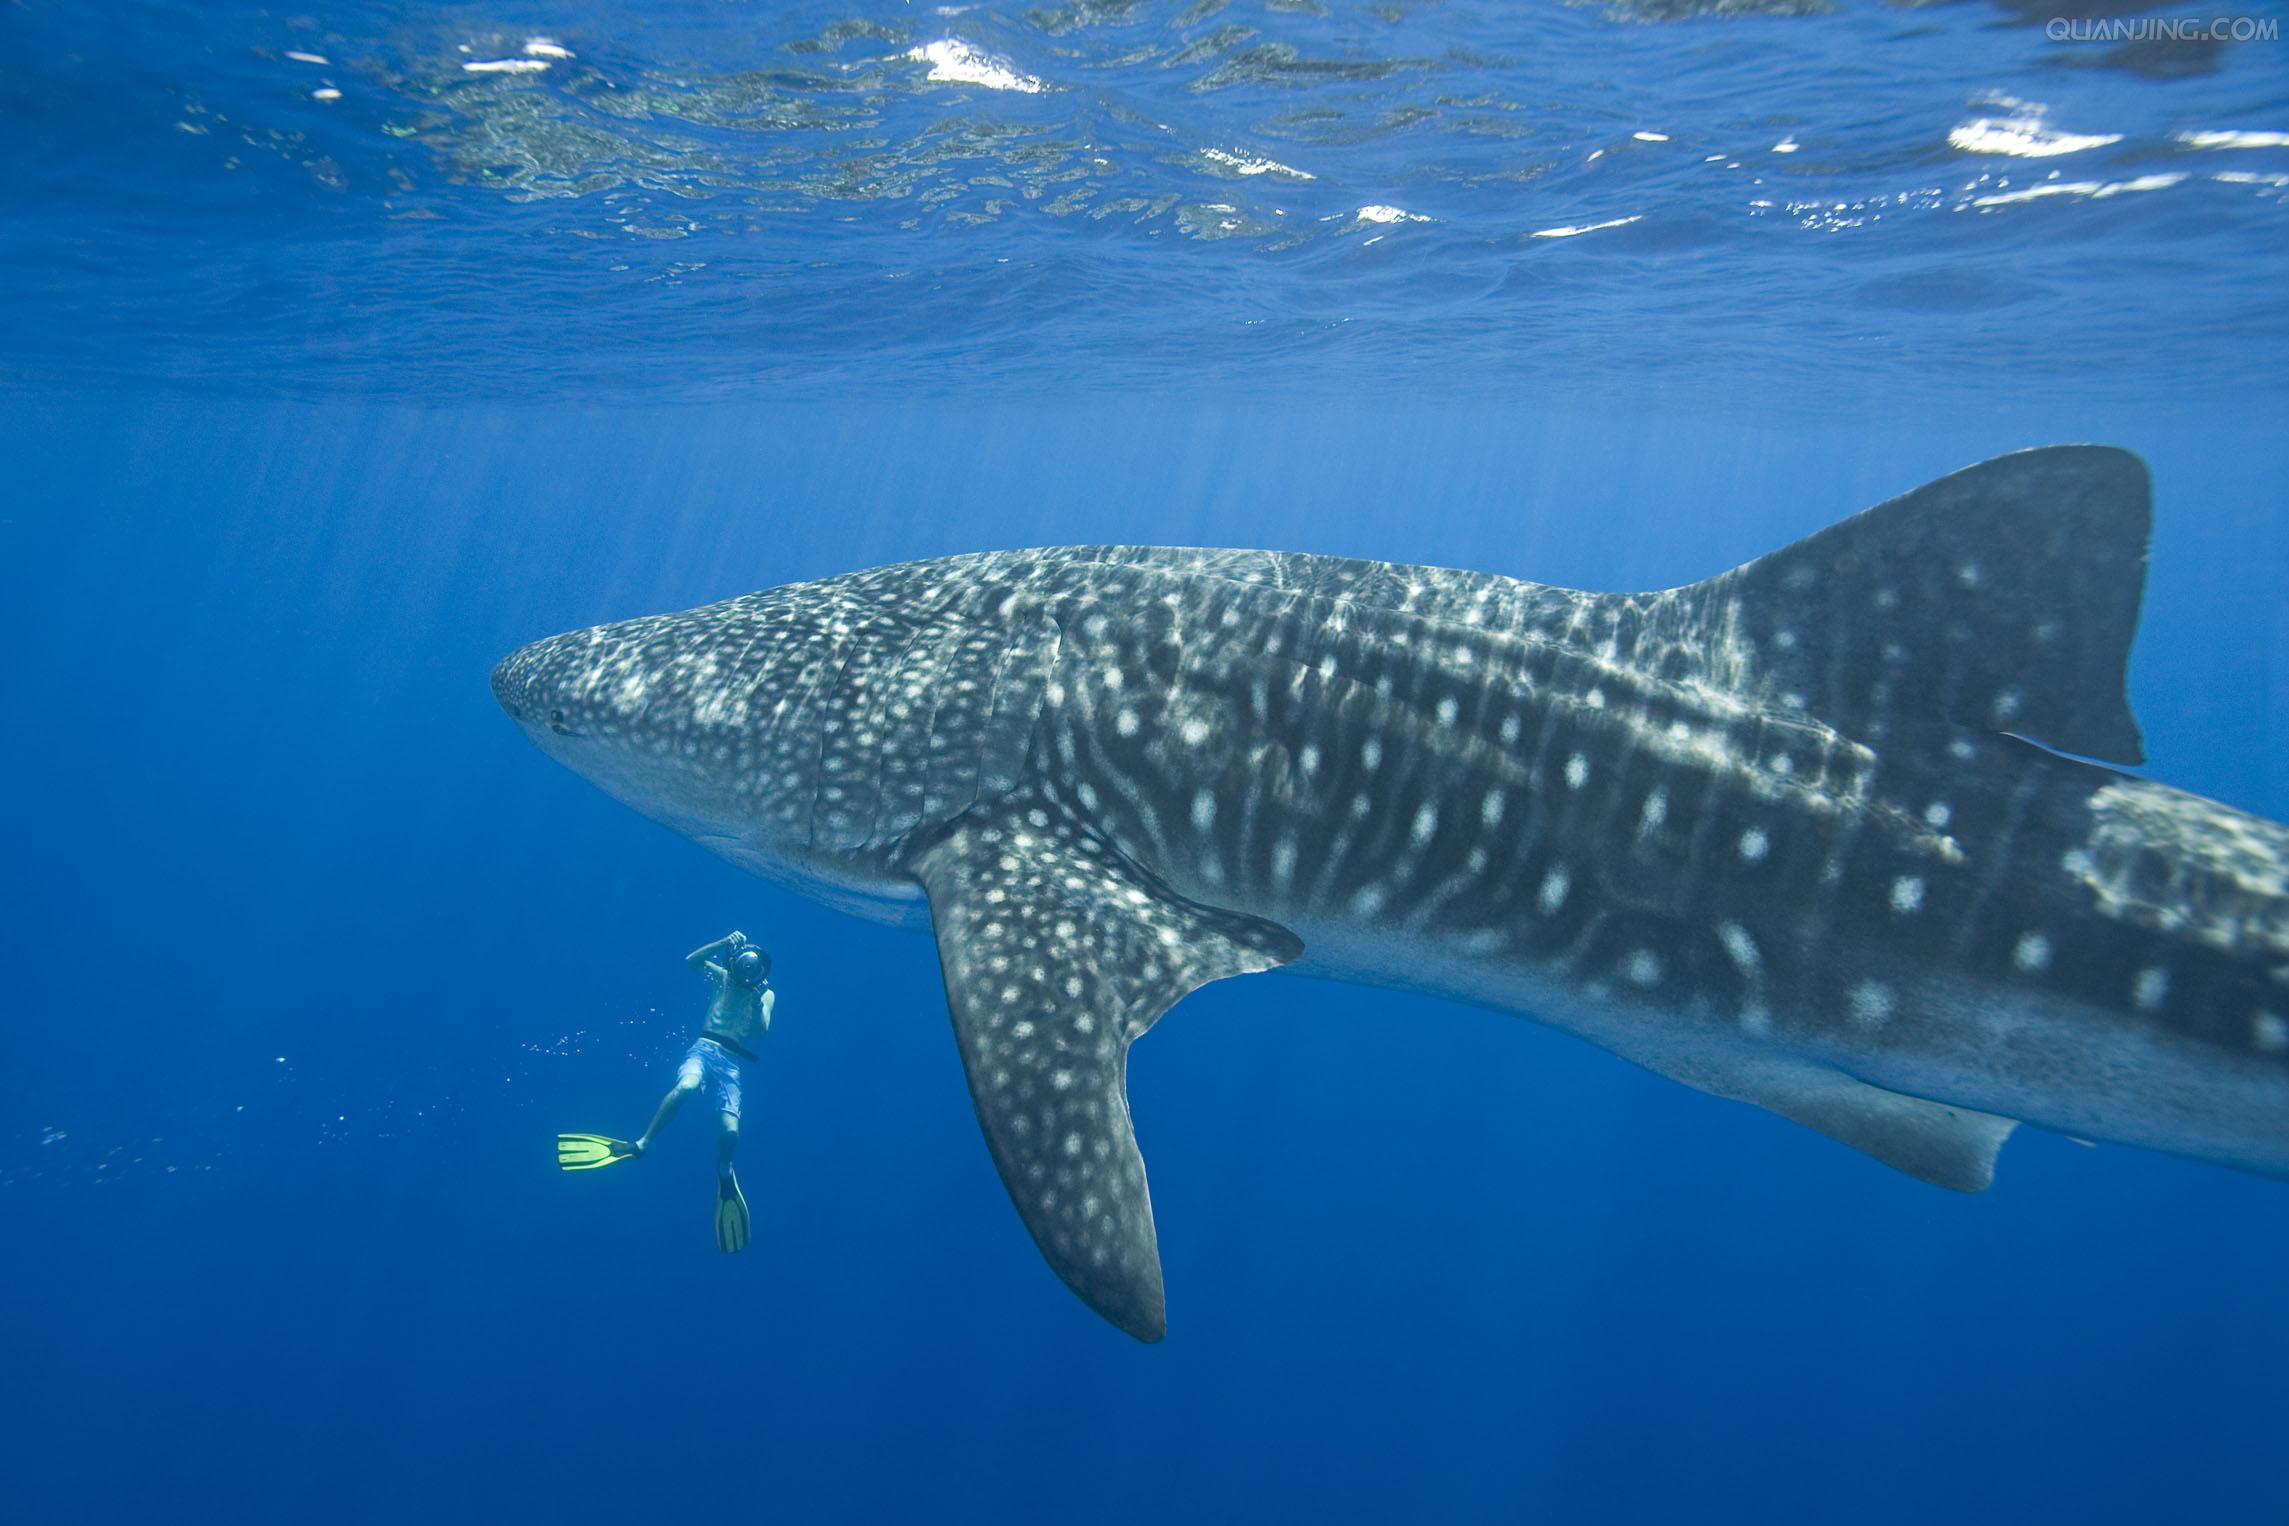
(1793, 835)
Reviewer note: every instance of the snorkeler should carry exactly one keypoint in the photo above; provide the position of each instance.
(739, 1015)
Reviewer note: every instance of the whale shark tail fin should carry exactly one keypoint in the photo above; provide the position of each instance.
(2001, 598)
(1056, 955)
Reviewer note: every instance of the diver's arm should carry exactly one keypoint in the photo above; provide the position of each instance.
(698, 958)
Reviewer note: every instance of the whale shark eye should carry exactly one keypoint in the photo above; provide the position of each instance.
(556, 723)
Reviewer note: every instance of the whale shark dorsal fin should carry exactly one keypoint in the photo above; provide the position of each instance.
(1057, 953)
(2000, 598)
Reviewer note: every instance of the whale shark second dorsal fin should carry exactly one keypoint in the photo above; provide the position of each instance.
(2000, 598)
(1057, 953)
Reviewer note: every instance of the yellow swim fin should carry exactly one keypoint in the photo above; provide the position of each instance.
(730, 1215)
(586, 1152)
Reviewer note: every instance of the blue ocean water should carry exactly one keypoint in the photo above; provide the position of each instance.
(342, 351)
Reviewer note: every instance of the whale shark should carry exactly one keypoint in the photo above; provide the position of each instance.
(1833, 833)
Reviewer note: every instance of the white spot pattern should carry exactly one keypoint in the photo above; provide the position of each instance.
(1739, 946)
(1555, 884)
(1654, 812)
(1872, 1004)
(2150, 989)
(2032, 953)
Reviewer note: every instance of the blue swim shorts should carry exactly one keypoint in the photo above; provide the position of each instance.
(710, 1064)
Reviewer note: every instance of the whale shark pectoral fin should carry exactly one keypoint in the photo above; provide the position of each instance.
(1056, 955)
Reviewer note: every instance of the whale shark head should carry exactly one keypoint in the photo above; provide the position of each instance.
(644, 709)
(804, 732)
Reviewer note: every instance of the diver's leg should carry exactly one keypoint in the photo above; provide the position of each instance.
(728, 1101)
(731, 1221)
(726, 1142)
(687, 1082)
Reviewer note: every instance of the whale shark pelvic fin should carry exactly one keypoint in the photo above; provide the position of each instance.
(1057, 953)
(1936, 1142)
(1947, 1146)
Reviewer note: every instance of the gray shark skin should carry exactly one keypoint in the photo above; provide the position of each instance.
(1795, 835)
